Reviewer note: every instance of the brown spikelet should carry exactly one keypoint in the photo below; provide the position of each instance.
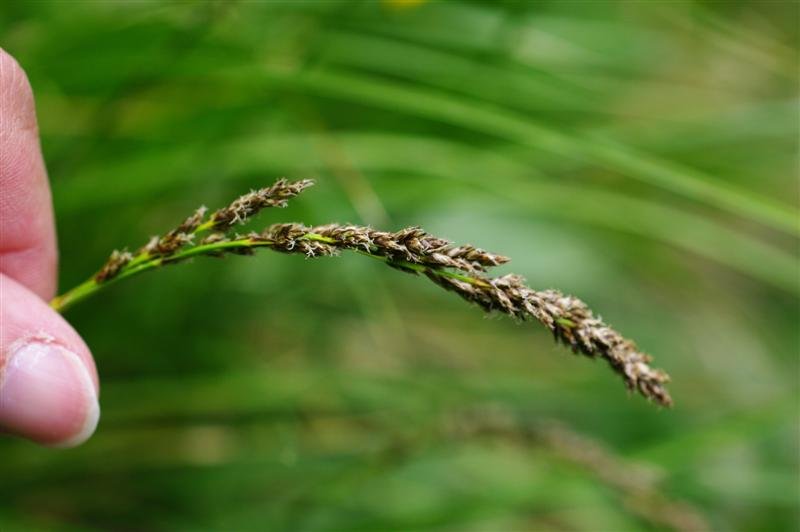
(479, 258)
(240, 210)
(571, 322)
(113, 265)
(289, 238)
(175, 239)
(171, 242)
(191, 223)
(411, 244)
(248, 205)
(213, 238)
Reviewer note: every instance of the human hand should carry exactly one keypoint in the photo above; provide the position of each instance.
(48, 380)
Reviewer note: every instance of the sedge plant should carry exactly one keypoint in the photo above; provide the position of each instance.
(461, 269)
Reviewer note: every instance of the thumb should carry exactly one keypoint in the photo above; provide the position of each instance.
(48, 381)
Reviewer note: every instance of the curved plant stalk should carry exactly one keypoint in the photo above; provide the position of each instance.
(461, 269)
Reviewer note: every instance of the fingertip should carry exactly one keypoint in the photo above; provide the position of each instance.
(48, 381)
(17, 94)
(47, 394)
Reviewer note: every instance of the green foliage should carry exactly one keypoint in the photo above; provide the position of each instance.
(638, 155)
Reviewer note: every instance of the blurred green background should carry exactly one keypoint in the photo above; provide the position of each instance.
(640, 155)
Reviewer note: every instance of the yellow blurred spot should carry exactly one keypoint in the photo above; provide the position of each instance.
(403, 4)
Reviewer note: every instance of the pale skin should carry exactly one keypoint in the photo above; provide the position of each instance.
(48, 380)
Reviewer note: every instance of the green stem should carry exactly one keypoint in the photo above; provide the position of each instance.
(144, 262)
(78, 293)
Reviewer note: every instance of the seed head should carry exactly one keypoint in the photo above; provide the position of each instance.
(191, 223)
(248, 205)
(214, 238)
(411, 244)
(571, 322)
(113, 265)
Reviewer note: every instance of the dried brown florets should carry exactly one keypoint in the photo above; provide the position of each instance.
(113, 265)
(177, 238)
(246, 206)
(479, 258)
(165, 247)
(411, 244)
(213, 238)
(167, 244)
(568, 318)
(415, 251)
(290, 238)
(571, 322)
(191, 223)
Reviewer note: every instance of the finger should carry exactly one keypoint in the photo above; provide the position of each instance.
(48, 381)
(27, 234)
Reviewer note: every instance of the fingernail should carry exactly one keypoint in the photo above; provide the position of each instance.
(47, 395)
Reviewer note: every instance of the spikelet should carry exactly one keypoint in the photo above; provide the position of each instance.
(411, 244)
(248, 205)
(571, 322)
(221, 221)
(113, 265)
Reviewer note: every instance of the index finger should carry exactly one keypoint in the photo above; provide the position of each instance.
(27, 233)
